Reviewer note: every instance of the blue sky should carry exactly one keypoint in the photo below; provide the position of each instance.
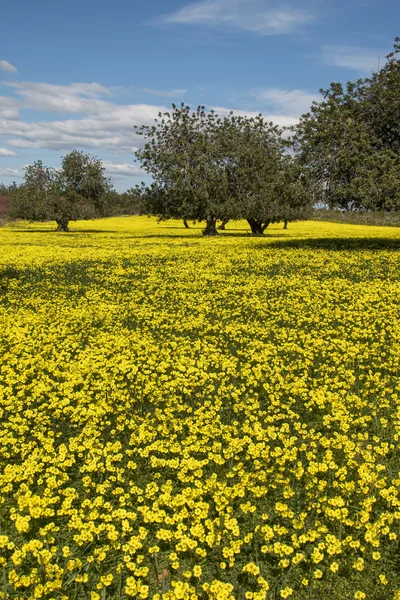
(81, 74)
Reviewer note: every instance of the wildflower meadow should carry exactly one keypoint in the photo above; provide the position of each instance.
(184, 417)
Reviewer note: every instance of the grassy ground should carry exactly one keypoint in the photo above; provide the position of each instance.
(199, 418)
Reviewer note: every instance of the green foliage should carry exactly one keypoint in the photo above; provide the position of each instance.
(184, 155)
(264, 179)
(38, 195)
(370, 217)
(85, 187)
(380, 96)
(6, 190)
(125, 203)
(349, 142)
(206, 168)
(79, 190)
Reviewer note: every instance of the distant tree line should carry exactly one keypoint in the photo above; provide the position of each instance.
(344, 154)
(358, 217)
(7, 190)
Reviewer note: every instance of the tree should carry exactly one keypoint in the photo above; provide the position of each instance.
(349, 141)
(252, 152)
(379, 96)
(183, 154)
(223, 225)
(265, 181)
(86, 191)
(206, 168)
(79, 190)
(39, 192)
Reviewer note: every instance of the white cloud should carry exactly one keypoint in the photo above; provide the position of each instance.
(256, 16)
(99, 124)
(359, 59)
(86, 120)
(122, 170)
(7, 67)
(75, 98)
(291, 103)
(280, 120)
(168, 93)
(8, 172)
(8, 108)
(92, 133)
(7, 152)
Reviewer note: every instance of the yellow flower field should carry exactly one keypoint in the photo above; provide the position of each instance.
(186, 418)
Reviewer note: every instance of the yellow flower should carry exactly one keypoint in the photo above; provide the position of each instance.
(106, 580)
(150, 375)
(251, 568)
(318, 574)
(197, 571)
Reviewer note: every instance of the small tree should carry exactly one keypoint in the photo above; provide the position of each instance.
(79, 190)
(35, 198)
(86, 191)
(252, 150)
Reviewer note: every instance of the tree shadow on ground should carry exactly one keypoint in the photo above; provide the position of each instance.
(70, 232)
(247, 233)
(272, 239)
(350, 243)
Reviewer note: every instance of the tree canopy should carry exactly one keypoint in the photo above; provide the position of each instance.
(79, 190)
(349, 142)
(206, 167)
(184, 156)
(265, 181)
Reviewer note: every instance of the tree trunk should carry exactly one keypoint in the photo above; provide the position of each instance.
(285, 222)
(223, 224)
(211, 227)
(264, 227)
(258, 227)
(62, 224)
(186, 224)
